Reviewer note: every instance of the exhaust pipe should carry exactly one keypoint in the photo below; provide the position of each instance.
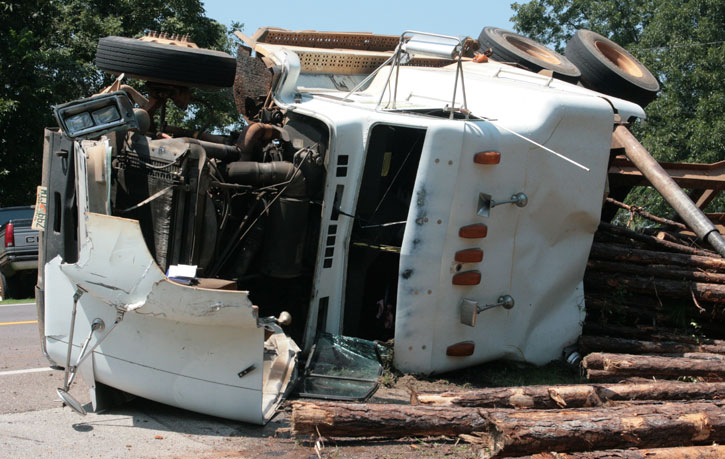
(673, 194)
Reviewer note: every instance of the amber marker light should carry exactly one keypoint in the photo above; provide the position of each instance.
(476, 231)
(487, 157)
(467, 278)
(469, 256)
(462, 349)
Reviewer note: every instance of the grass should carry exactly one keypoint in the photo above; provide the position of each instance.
(14, 301)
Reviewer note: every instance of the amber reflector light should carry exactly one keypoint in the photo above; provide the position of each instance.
(476, 231)
(462, 349)
(487, 157)
(467, 278)
(469, 255)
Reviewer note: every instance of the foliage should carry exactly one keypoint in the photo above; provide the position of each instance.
(47, 49)
(681, 41)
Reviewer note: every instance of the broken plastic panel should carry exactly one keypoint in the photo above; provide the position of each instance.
(341, 368)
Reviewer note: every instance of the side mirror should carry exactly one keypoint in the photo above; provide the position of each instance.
(95, 116)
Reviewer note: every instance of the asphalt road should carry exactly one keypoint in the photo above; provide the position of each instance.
(33, 422)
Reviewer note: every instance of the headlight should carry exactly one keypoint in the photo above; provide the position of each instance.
(95, 116)
(106, 115)
(79, 122)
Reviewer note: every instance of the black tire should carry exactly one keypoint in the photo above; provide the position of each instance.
(161, 63)
(608, 68)
(5, 292)
(508, 46)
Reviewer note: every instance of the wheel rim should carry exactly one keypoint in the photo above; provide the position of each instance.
(534, 51)
(619, 59)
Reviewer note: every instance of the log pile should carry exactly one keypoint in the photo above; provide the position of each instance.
(639, 263)
(650, 281)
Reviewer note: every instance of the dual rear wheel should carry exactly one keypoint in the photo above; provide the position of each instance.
(591, 59)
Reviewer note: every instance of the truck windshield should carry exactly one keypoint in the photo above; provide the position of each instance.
(15, 214)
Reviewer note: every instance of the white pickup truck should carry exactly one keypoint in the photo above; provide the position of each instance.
(406, 188)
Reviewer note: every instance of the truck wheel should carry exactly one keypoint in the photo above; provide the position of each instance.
(608, 68)
(164, 63)
(4, 288)
(511, 47)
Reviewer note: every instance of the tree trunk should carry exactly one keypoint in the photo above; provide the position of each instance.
(383, 420)
(626, 365)
(663, 272)
(612, 252)
(573, 396)
(507, 432)
(589, 344)
(649, 333)
(661, 287)
(683, 452)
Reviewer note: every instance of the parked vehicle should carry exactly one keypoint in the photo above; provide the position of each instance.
(386, 187)
(18, 252)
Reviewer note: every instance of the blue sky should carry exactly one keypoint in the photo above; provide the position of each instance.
(383, 17)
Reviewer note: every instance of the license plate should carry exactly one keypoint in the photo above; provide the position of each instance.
(41, 210)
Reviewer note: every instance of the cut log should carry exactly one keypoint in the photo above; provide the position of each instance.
(573, 396)
(662, 287)
(683, 452)
(649, 333)
(653, 241)
(659, 271)
(392, 421)
(507, 432)
(613, 252)
(519, 432)
(588, 344)
(626, 365)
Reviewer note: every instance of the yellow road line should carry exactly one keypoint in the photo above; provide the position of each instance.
(20, 323)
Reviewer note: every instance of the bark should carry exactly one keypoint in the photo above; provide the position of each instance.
(519, 432)
(663, 272)
(653, 241)
(648, 312)
(613, 252)
(627, 365)
(683, 452)
(573, 396)
(588, 344)
(506, 432)
(383, 420)
(662, 287)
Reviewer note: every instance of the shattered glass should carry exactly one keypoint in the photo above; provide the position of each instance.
(341, 368)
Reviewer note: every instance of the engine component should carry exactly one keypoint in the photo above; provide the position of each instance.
(162, 184)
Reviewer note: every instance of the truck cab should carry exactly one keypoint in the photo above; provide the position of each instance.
(412, 194)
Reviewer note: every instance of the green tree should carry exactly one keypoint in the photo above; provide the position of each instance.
(682, 42)
(47, 48)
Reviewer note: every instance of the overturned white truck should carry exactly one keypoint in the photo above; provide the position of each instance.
(403, 187)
